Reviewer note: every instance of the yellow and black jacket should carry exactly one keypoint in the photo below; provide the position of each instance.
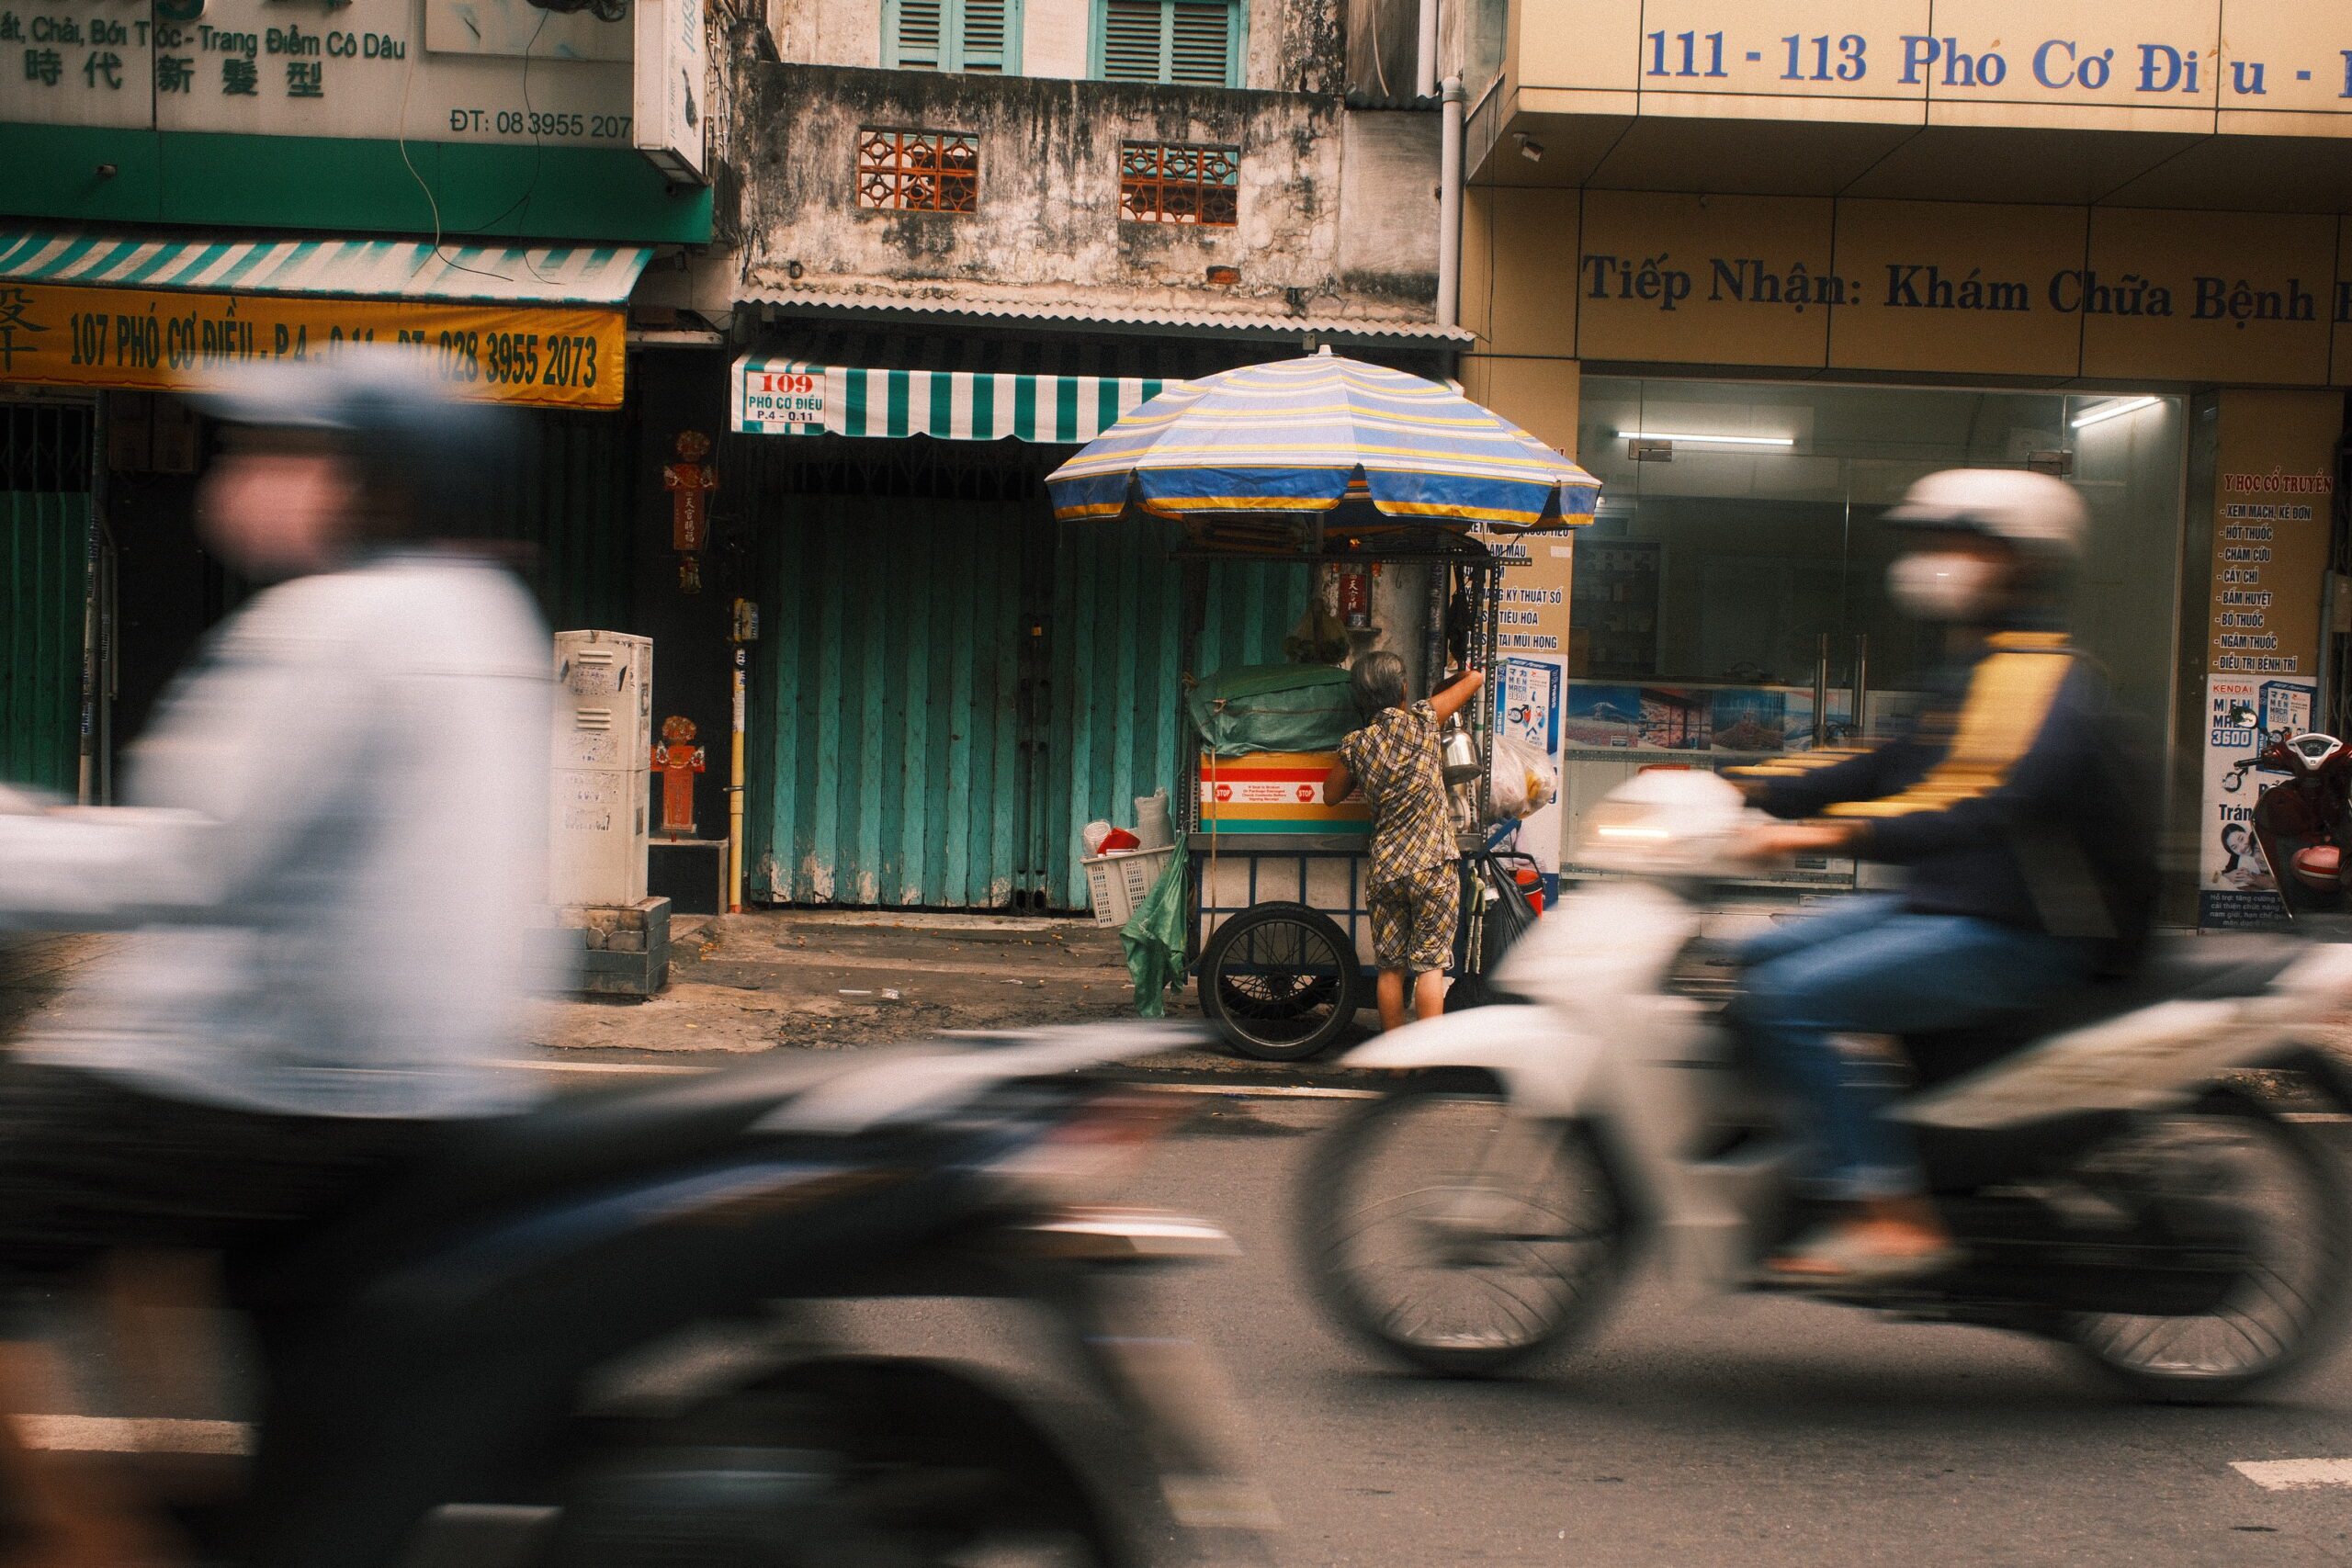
(2012, 798)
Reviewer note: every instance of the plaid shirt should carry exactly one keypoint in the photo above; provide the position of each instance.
(1393, 761)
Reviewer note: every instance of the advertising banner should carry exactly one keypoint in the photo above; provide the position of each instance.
(2235, 887)
(551, 357)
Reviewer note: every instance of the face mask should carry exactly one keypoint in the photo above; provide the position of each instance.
(1936, 587)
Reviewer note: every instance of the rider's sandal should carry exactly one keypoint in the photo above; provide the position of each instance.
(1835, 1259)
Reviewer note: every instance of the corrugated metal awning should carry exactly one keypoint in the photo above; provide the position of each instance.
(780, 396)
(967, 305)
(360, 269)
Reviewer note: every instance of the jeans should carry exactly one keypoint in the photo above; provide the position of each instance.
(1872, 967)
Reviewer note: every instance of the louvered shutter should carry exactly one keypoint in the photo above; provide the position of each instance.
(916, 35)
(981, 36)
(1201, 43)
(1135, 37)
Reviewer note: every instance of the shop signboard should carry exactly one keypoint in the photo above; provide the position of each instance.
(2274, 493)
(552, 356)
(2156, 65)
(2235, 886)
(462, 71)
(1533, 639)
(669, 97)
(780, 400)
(1942, 288)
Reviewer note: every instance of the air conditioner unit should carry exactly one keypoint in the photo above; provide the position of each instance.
(603, 750)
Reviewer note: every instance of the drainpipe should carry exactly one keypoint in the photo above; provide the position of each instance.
(1425, 54)
(1449, 206)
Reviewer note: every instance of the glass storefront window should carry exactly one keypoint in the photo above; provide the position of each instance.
(1731, 596)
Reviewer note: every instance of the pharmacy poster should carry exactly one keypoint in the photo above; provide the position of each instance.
(1528, 693)
(2235, 888)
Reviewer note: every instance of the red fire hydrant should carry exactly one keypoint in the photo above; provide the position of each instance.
(677, 758)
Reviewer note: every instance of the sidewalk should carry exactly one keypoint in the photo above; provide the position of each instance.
(826, 980)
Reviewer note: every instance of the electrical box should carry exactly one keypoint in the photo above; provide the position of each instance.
(603, 751)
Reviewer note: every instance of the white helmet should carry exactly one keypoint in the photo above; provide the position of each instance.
(2038, 516)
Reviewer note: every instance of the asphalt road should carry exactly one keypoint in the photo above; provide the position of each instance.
(1757, 1432)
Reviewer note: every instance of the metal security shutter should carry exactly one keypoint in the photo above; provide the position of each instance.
(44, 542)
(1117, 724)
(888, 688)
(568, 500)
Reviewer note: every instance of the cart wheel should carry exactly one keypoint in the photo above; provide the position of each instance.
(1280, 981)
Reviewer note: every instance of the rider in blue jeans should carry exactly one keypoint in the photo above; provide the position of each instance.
(2027, 870)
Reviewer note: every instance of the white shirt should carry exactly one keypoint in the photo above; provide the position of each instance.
(334, 841)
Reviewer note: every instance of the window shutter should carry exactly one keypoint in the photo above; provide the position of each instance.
(916, 39)
(1202, 46)
(1134, 40)
(983, 35)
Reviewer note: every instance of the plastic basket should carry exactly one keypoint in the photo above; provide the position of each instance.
(1116, 884)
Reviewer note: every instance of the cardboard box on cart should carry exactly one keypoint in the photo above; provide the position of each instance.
(1246, 800)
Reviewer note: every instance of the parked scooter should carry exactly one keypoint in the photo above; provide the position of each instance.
(2111, 1184)
(588, 1339)
(2303, 821)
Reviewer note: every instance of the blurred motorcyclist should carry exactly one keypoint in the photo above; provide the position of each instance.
(333, 842)
(2028, 868)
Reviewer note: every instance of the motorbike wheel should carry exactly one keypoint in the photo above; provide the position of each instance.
(853, 1464)
(2289, 1302)
(1281, 982)
(1446, 1232)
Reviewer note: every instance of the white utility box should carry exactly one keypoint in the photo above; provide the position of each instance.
(604, 761)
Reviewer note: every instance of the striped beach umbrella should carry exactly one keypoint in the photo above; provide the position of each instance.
(1307, 436)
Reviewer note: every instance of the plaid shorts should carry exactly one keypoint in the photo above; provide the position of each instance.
(1413, 918)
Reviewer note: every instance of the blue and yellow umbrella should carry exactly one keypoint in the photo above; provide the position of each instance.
(1306, 435)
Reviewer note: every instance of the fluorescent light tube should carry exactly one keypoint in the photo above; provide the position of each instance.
(2116, 410)
(1718, 440)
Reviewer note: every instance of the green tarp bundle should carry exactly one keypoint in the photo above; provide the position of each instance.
(1154, 939)
(1273, 707)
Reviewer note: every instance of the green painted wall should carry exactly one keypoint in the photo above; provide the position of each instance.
(327, 182)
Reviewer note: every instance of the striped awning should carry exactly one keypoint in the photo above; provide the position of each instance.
(360, 269)
(779, 396)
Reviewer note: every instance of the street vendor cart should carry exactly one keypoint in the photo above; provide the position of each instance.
(1343, 470)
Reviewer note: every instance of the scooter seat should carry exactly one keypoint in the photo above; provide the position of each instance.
(2173, 968)
(572, 1142)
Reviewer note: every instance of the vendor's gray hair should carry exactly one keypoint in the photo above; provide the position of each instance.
(1376, 683)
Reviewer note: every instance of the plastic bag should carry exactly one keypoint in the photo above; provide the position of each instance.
(1525, 781)
(1093, 835)
(1154, 940)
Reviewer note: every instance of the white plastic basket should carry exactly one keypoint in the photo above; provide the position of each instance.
(1116, 884)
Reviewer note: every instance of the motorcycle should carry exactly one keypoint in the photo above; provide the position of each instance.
(594, 1336)
(2303, 821)
(2111, 1184)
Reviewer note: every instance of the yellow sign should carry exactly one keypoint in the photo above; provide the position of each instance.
(2275, 496)
(551, 355)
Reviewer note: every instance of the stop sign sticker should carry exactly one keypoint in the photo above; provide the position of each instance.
(1306, 794)
(1225, 792)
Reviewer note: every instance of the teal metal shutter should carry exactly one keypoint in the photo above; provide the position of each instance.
(1116, 728)
(44, 545)
(889, 771)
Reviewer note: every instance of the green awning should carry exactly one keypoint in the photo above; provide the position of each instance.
(779, 396)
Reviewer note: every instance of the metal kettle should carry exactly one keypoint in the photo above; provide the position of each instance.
(1458, 754)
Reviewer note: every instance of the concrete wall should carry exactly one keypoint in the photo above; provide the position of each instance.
(1336, 218)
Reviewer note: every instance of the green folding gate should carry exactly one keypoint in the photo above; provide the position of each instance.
(44, 543)
(949, 687)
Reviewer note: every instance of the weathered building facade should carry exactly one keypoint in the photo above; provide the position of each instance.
(971, 232)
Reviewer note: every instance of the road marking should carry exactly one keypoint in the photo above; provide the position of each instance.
(1264, 1092)
(2315, 1116)
(612, 1067)
(133, 1435)
(2295, 1474)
